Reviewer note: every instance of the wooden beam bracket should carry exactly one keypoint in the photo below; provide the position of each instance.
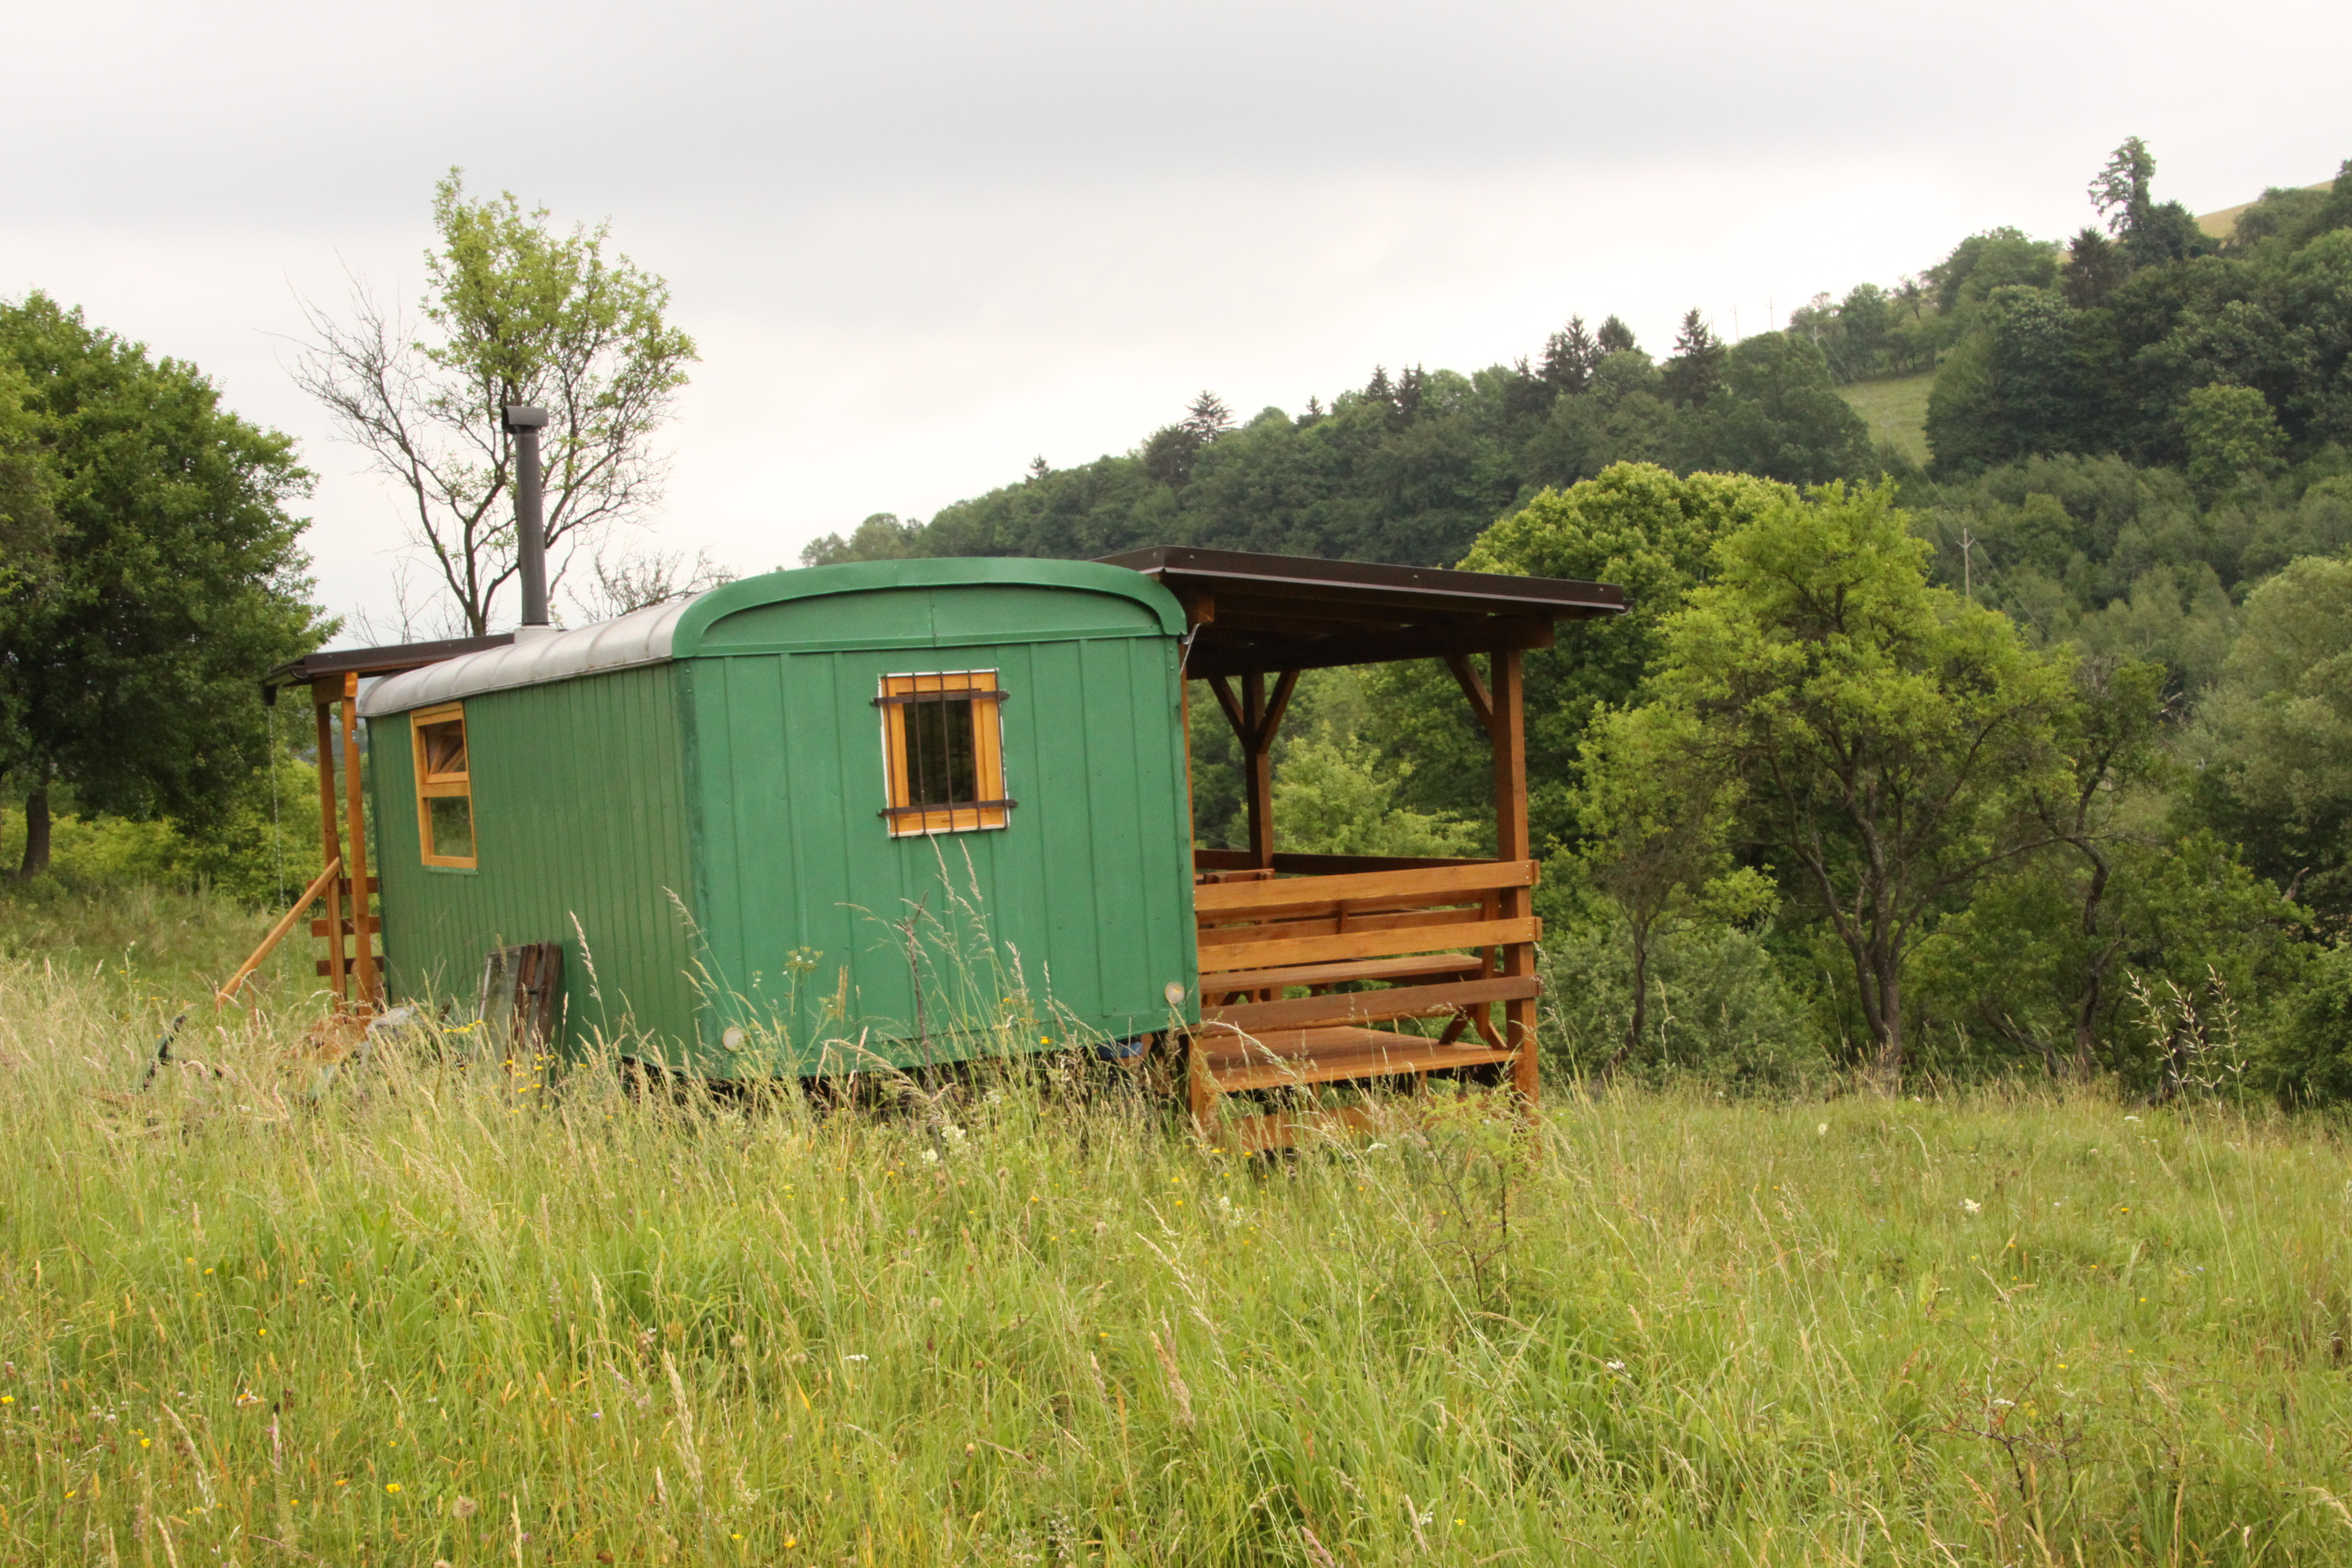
(1481, 702)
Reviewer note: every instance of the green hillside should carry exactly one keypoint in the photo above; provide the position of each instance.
(1896, 411)
(2224, 224)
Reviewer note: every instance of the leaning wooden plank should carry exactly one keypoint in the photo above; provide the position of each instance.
(1199, 1088)
(1377, 943)
(278, 932)
(1221, 896)
(1282, 1058)
(1371, 1007)
(1215, 981)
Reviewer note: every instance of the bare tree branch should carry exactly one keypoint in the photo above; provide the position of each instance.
(514, 314)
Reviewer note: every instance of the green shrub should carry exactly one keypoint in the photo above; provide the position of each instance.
(1720, 1011)
(2303, 1052)
(260, 851)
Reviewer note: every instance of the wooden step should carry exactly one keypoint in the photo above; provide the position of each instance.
(1372, 1006)
(1280, 1128)
(1279, 1059)
(374, 924)
(1227, 983)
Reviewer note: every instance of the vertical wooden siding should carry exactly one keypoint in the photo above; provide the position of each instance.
(579, 814)
(1087, 894)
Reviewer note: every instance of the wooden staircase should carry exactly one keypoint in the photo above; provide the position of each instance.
(1453, 941)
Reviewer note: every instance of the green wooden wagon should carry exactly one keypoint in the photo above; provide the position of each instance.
(857, 814)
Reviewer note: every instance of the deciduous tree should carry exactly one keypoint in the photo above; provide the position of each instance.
(173, 580)
(514, 313)
(2271, 752)
(1887, 738)
(1656, 810)
(1637, 525)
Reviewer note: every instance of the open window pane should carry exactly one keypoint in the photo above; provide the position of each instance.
(449, 827)
(444, 787)
(444, 747)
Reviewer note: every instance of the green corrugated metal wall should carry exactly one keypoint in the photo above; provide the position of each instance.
(1083, 901)
(579, 813)
(746, 777)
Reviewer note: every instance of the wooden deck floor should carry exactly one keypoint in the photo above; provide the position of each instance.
(1281, 1058)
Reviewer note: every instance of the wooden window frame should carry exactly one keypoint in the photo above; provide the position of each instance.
(433, 785)
(993, 809)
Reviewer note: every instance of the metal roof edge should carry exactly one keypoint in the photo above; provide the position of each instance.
(706, 610)
(534, 659)
(660, 633)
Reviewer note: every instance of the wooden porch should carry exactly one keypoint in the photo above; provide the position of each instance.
(1318, 970)
(350, 922)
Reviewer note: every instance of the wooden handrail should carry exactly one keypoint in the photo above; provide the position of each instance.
(278, 932)
(1291, 863)
(1333, 949)
(1440, 884)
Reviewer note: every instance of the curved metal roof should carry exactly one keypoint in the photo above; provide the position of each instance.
(675, 630)
(1245, 613)
(536, 655)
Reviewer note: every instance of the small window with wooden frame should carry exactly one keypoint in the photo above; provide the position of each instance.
(943, 752)
(444, 787)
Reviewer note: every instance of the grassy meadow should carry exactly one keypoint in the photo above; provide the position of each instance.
(446, 1307)
(1896, 411)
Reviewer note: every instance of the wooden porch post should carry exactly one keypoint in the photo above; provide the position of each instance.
(322, 695)
(364, 942)
(1258, 751)
(1505, 691)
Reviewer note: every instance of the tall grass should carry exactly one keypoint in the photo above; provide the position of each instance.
(446, 1307)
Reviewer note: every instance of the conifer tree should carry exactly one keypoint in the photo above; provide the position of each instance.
(1568, 358)
(1412, 382)
(1206, 417)
(2094, 265)
(1615, 337)
(1694, 374)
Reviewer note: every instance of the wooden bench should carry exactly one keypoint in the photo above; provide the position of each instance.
(1259, 939)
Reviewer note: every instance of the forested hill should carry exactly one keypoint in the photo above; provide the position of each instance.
(1411, 468)
(2143, 338)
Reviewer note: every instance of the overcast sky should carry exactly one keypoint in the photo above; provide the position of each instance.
(920, 243)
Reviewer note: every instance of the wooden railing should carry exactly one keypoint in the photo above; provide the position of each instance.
(1435, 938)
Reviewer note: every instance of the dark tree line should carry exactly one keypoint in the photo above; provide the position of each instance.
(1412, 465)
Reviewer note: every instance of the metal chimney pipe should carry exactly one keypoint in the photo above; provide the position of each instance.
(524, 423)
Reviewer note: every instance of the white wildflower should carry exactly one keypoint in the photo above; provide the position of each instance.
(1971, 1205)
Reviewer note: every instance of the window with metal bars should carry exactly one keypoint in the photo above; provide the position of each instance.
(943, 752)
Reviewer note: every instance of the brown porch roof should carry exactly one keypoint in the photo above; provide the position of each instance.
(1260, 613)
(373, 661)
